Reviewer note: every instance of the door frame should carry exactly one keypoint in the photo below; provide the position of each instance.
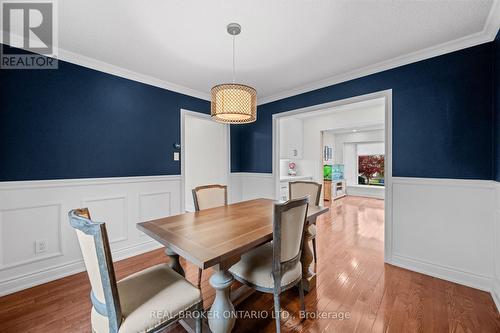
(388, 200)
(227, 138)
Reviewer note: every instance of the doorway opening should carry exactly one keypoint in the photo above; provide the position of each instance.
(344, 145)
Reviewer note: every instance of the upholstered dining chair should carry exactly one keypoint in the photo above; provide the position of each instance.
(147, 301)
(208, 196)
(301, 188)
(275, 266)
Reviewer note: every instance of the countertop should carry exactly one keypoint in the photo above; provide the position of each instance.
(292, 178)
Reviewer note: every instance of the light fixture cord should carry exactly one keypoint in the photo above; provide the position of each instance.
(233, 60)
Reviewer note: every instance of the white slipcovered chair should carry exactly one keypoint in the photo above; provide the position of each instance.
(147, 301)
(299, 189)
(275, 267)
(205, 197)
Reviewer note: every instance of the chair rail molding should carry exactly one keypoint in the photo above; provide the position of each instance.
(36, 210)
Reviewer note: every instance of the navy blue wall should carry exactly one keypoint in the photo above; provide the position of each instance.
(442, 117)
(497, 108)
(75, 122)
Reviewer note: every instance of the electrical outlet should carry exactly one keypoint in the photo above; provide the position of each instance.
(176, 156)
(40, 246)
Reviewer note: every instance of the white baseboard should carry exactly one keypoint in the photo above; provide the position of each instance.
(189, 208)
(495, 294)
(49, 274)
(445, 273)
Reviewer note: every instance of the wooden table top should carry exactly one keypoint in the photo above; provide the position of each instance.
(215, 235)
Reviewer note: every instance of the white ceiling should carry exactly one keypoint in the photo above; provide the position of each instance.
(285, 47)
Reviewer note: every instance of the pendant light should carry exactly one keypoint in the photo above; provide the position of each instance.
(234, 103)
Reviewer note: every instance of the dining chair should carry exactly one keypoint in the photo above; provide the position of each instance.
(275, 266)
(146, 301)
(302, 188)
(208, 196)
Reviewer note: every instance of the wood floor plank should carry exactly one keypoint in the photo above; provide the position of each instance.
(352, 279)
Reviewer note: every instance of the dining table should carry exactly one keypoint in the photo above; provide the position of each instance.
(217, 238)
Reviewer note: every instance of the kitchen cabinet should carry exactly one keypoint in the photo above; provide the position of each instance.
(291, 138)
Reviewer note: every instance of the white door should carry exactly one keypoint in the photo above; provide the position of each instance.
(205, 150)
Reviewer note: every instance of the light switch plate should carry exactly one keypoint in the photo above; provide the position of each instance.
(176, 156)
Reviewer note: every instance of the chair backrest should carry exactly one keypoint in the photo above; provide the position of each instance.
(209, 196)
(288, 234)
(300, 189)
(96, 252)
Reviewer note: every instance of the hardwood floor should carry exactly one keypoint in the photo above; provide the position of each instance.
(352, 280)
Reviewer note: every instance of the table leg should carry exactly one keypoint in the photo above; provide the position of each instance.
(221, 316)
(174, 261)
(308, 276)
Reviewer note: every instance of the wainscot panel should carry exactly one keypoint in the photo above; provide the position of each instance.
(445, 228)
(34, 211)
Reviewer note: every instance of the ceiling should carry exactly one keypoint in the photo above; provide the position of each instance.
(286, 46)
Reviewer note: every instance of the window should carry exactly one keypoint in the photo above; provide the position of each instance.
(371, 170)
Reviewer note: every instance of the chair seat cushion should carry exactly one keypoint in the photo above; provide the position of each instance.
(312, 229)
(256, 267)
(148, 298)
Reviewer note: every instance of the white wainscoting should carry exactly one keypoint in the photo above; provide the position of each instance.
(495, 292)
(444, 228)
(37, 210)
(377, 192)
(247, 186)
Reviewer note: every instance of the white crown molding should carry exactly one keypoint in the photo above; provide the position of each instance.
(486, 35)
(101, 66)
(492, 23)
